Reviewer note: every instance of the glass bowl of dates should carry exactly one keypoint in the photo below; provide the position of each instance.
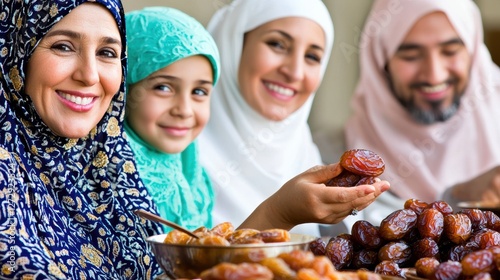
(182, 256)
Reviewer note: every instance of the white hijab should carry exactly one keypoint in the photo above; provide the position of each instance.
(423, 160)
(247, 156)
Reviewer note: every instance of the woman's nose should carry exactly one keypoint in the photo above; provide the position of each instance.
(293, 67)
(87, 70)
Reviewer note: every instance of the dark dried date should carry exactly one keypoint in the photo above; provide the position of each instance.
(362, 162)
(360, 167)
(426, 267)
(477, 218)
(492, 220)
(398, 252)
(448, 270)
(366, 235)
(389, 268)
(425, 248)
(416, 205)
(442, 206)
(340, 252)
(365, 259)
(476, 262)
(397, 224)
(318, 247)
(457, 228)
(430, 223)
(344, 179)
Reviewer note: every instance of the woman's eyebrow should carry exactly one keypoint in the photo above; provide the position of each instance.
(64, 32)
(289, 37)
(76, 35)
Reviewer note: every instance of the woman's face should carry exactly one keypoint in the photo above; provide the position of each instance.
(76, 70)
(169, 108)
(281, 65)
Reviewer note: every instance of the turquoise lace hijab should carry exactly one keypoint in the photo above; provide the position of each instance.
(157, 37)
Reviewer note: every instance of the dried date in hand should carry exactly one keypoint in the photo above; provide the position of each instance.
(362, 162)
(360, 167)
(344, 179)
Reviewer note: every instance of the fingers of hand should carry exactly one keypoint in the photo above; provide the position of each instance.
(321, 173)
(378, 187)
(381, 187)
(344, 199)
(350, 194)
(491, 195)
(363, 201)
(496, 184)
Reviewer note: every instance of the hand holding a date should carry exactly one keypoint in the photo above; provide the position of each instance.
(306, 199)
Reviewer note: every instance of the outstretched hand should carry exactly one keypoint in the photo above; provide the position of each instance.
(491, 181)
(306, 199)
(486, 188)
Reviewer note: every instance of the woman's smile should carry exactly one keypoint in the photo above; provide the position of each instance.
(77, 103)
(280, 92)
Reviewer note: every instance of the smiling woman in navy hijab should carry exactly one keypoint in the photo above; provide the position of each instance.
(69, 183)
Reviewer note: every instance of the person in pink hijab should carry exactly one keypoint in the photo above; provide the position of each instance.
(427, 102)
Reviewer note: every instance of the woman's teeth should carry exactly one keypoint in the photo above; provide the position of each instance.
(280, 90)
(77, 99)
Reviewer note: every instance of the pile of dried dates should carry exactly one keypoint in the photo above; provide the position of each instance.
(439, 243)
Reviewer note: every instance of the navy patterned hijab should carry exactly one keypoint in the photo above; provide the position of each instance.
(66, 205)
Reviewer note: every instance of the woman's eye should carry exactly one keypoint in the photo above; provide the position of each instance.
(276, 44)
(61, 47)
(313, 57)
(108, 53)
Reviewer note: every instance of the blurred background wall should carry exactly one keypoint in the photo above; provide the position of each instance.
(331, 107)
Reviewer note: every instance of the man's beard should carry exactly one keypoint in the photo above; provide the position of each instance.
(435, 114)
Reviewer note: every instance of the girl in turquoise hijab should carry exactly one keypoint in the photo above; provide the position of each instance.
(173, 66)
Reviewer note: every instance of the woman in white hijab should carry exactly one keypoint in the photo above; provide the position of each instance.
(422, 160)
(258, 137)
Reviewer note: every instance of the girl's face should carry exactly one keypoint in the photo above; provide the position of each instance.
(76, 70)
(281, 65)
(169, 108)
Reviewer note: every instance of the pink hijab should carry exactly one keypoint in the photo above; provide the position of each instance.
(423, 160)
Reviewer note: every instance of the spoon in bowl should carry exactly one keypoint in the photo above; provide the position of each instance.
(152, 217)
